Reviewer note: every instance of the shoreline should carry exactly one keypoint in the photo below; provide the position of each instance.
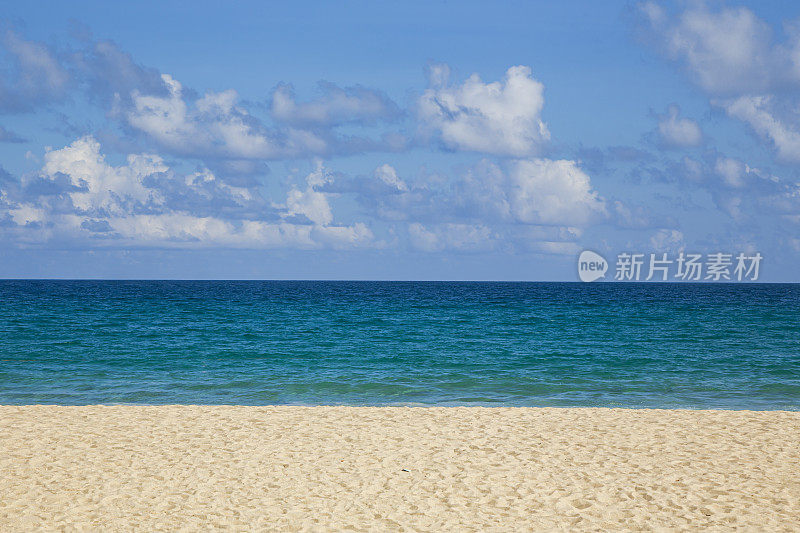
(475, 405)
(396, 467)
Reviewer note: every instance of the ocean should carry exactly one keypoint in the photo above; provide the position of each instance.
(721, 346)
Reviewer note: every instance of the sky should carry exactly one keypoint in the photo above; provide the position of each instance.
(413, 140)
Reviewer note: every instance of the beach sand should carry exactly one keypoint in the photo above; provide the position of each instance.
(396, 468)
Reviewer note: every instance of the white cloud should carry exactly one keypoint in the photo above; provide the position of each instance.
(732, 54)
(726, 51)
(538, 205)
(732, 171)
(315, 206)
(309, 202)
(517, 203)
(144, 202)
(530, 191)
(102, 187)
(756, 112)
(388, 175)
(25, 214)
(214, 126)
(544, 191)
(678, 132)
(501, 118)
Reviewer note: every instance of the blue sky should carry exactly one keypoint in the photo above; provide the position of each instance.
(363, 140)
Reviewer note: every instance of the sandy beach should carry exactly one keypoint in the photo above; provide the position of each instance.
(396, 468)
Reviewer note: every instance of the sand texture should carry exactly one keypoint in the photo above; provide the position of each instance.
(196, 468)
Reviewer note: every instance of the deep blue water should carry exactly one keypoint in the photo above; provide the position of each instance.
(450, 343)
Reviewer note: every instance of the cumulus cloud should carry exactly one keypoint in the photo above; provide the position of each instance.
(732, 171)
(678, 132)
(545, 191)
(488, 205)
(217, 127)
(215, 124)
(760, 114)
(99, 188)
(517, 192)
(502, 118)
(310, 202)
(530, 191)
(733, 55)
(78, 195)
(388, 175)
(726, 51)
(334, 106)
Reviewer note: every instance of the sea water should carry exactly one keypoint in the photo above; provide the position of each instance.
(730, 346)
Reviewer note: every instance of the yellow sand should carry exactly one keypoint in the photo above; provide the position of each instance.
(367, 468)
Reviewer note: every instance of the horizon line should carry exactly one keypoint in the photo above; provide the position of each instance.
(362, 280)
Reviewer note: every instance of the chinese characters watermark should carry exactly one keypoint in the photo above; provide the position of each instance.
(682, 266)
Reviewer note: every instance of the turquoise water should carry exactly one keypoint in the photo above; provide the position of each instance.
(377, 343)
